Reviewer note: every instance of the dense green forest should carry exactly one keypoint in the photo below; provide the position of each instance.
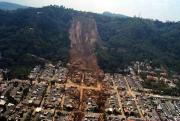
(10, 6)
(130, 39)
(27, 35)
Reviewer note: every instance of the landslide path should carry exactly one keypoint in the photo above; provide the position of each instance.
(84, 37)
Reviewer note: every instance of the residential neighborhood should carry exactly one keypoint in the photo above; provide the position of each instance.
(52, 93)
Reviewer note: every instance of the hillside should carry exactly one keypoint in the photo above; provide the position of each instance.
(84, 38)
(131, 39)
(106, 13)
(10, 6)
(44, 33)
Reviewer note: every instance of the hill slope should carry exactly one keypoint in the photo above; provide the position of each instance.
(114, 15)
(10, 6)
(44, 32)
(84, 37)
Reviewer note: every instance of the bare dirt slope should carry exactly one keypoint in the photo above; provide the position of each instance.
(84, 37)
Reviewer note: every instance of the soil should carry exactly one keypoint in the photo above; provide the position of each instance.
(84, 38)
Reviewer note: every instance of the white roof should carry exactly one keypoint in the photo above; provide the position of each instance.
(110, 109)
(38, 109)
(159, 107)
(2, 102)
(2, 97)
(10, 104)
(30, 101)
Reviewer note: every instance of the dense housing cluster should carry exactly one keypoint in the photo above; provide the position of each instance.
(53, 93)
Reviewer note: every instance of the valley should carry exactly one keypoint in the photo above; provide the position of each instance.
(60, 64)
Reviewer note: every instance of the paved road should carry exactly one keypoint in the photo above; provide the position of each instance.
(119, 99)
(81, 87)
(134, 96)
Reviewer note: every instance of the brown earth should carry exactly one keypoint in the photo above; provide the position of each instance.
(84, 38)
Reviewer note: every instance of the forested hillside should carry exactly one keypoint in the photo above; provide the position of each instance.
(11, 6)
(29, 34)
(130, 39)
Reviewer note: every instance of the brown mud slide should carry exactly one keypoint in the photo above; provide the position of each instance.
(84, 38)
